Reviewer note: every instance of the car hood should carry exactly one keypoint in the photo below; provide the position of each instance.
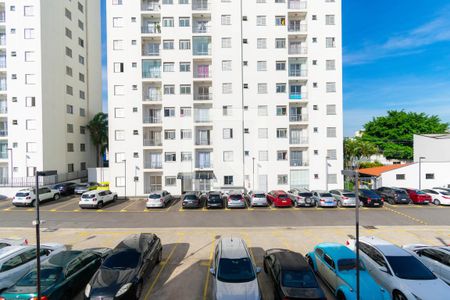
(369, 288)
(237, 291)
(109, 281)
(304, 293)
(427, 289)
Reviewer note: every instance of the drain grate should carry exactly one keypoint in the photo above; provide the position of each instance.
(370, 227)
(90, 237)
(50, 230)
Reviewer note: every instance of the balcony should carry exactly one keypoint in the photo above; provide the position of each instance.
(152, 116)
(2, 39)
(296, 27)
(298, 163)
(296, 71)
(203, 137)
(156, 96)
(152, 142)
(202, 71)
(3, 132)
(298, 140)
(153, 164)
(150, 49)
(150, 6)
(298, 95)
(151, 68)
(201, 45)
(3, 84)
(200, 5)
(4, 155)
(203, 97)
(2, 62)
(297, 49)
(202, 116)
(200, 26)
(2, 16)
(297, 4)
(151, 28)
(298, 117)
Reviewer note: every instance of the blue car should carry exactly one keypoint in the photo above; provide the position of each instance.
(336, 265)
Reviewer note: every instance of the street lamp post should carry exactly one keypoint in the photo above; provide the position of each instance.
(125, 178)
(420, 172)
(12, 165)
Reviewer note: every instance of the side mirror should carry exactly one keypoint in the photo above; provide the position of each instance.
(258, 270)
(212, 271)
(419, 253)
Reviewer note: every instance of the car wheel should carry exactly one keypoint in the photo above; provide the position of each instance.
(339, 203)
(115, 198)
(310, 262)
(138, 291)
(56, 197)
(33, 203)
(159, 259)
(436, 202)
(100, 205)
(341, 296)
(398, 296)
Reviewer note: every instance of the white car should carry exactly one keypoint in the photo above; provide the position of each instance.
(97, 199)
(399, 272)
(16, 261)
(158, 199)
(440, 197)
(27, 197)
(437, 259)
(257, 198)
(13, 242)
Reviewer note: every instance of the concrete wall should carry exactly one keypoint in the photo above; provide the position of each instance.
(434, 147)
(98, 174)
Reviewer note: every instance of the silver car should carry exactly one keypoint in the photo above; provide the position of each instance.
(82, 188)
(344, 198)
(235, 273)
(158, 199)
(257, 198)
(235, 200)
(301, 197)
(324, 199)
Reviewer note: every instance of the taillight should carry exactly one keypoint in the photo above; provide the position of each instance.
(28, 198)
(322, 200)
(26, 242)
(368, 200)
(382, 199)
(94, 199)
(161, 200)
(445, 197)
(35, 298)
(347, 243)
(344, 198)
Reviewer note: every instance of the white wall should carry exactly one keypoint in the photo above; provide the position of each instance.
(98, 174)
(434, 147)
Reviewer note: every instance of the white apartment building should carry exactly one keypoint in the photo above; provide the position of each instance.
(224, 94)
(50, 85)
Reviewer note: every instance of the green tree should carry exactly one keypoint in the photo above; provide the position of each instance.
(369, 164)
(393, 134)
(98, 129)
(355, 150)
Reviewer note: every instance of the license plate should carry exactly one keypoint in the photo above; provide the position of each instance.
(426, 202)
(284, 201)
(376, 204)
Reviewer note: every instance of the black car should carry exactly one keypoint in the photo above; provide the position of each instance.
(393, 195)
(291, 276)
(122, 274)
(66, 188)
(192, 200)
(214, 199)
(370, 198)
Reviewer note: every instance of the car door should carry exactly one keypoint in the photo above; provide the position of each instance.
(320, 264)
(435, 261)
(377, 266)
(277, 278)
(45, 194)
(71, 278)
(330, 275)
(12, 270)
(101, 197)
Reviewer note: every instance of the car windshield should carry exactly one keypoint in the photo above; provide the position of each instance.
(48, 277)
(22, 194)
(305, 194)
(350, 195)
(369, 193)
(57, 186)
(190, 197)
(259, 196)
(127, 259)
(325, 195)
(409, 267)
(154, 196)
(235, 270)
(299, 279)
(88, 196)
(282, 196)
(348, 264)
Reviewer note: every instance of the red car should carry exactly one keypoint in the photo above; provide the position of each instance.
(279, 199)
(418, 197)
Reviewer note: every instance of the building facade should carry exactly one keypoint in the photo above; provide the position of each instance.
(50, 85)
(224, 94)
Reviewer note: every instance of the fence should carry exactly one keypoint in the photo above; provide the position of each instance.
(47, 180)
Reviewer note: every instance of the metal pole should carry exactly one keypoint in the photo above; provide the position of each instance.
(38, 240)
(357, 234)
(253, 184)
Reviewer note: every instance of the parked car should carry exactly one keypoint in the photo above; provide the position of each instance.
(442, 188)
(123, 272)
(436, 258)
(257, 198)
(344, 198)
(6, 242)
(291, 276)
(27, 197)
(418, 196)
(440, 197)
(235, 273)
(82, 188)
(336, 265)
(235, 200)
(65, 188)
(324, 199)
(158, 199)
(103, 186)
(63, 276)
(393, 195)
(96, 199)
(214, 199)
(279, 198)
(16, 261)
(301, 198)
(192, 200)
(370, 198)
(399, 272)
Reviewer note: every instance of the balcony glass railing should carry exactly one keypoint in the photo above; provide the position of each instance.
(3, 132)
(299, 140)
(153, 97)
(203, 96)
(3, 109)
(297, 27)
(200, 28)
(151, 73)
(153, 164)
(297, 95)
(203, 71)
(152, 119)
(4, 155)
(150, 50)
(2, 16)
(298, 117)
(150, 6)
(2, 62)
(151, 28)
(298, 50)
(203, 142)
(2, 85)
(296, 4)
(298, 163)
(153, 142)
(200, 5)
(295, 72)
(204, 165)
(2, 39)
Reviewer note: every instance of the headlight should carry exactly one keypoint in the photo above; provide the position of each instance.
(87, 290)
(123, 289)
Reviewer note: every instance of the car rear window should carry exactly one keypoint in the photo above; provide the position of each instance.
(418, 192)
(325, 195)
(127, 259)
(299, 279)
(190, 197)
(22, 194)
(259, 196)
(369, 193)
(154, 196)
(409, 267)
(214, 197)
(282, 196)
(48, 277)
(236, 270)
(236, 197)
(57, 186)
(350, 195)
(88, 196)
(401, 192)
(306, 194)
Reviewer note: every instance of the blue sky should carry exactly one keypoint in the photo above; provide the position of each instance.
(396, 56)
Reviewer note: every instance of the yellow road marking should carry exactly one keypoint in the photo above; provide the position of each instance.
(405, 215)
(62, 206)
(211, 252)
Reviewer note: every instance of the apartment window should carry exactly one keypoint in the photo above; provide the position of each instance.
(226, 65)
(263, 133)
(169, 67)
(119, 135)
(169, 89)
(81, 42)
(331, 109)
(280, 20)
(69, 71)
(117, 44)
(315, 129)
(227, 156)
(226, 42)
(169, 112)
(167, 22)
(314, 62)
(281, 87)
(183, 1)
(330, 64)
(400, 176)
(82, 147)
(70, 168)
(331, 154)
(227, 88)
(68, 14)
(30, 124)
(261, 20)
(261, 43)
(81, 59)
(118, 22)
(82, 112)
(281, 133)
(226, 19)
(169, 134)
(82, 130)
(261, 66)
(119, 90)
(315, 107)
(170, 2)
(186, 134)
(331, 132)
(28, 11)
(185, 89)
(69, 90)
(185, 111)
(330, 42)
(185, 66)
(170, 180)
(186, 156)
(262, 88)
(329, 20)
(315, 85)
(68, 52)
(30, 79)
(168, 45)
(119, 157)
(170, 157)
(82, 95)
(281, 110)
(263, 155)
(228, 180)
(184, 22)
(81, 77)
(280, 43)
(314, 40)
(331, 87)
(69, 128)
(282, 179)
(119, 112)
(227, 133)
(80, 25)
(83, 166)
(281, 155)
(429, 176)
(69, 109)
(262, 110)
(280, 65)
(185, 45)
(68, 33)
(69, 147)
(227, 110)
(28, 33)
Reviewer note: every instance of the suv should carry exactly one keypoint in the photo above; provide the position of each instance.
(370, 198)
(301, 197)
(27, 197)
(393, 195)
(96, 199)
(192, 200)
(65, 188)
(214, 199)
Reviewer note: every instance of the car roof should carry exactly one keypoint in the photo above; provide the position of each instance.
(337, 251)
(388, 249)
(233, 247)
(134, 242)
(289, 260)
(258, 192)
(61, 259)
(320, 191)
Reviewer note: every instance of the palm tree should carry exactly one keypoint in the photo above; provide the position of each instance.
(98, 128)
(356, 150)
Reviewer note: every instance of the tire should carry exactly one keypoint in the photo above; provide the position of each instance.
(340, 296)
(396, 295)
(339, 203)
(114, 198)
(265, 268)
(436, 202)
(33, 203)
(159, 259)
(100, 205)
(56, 197)
(138, 291)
